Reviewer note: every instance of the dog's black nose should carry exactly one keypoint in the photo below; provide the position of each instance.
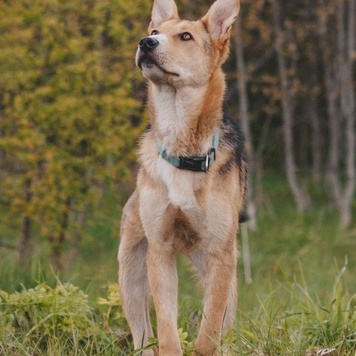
(148, 44)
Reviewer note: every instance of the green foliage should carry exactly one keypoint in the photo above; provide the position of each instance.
(287, 320)
(38, 316)
(47, 311)
(112, 303)
(291, 320)
(43, 320)
(69, 117)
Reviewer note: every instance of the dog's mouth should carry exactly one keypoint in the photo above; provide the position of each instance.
(145, 61)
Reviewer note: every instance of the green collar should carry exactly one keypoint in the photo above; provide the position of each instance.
(200, 163)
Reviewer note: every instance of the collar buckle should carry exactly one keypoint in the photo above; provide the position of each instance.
(210, 158)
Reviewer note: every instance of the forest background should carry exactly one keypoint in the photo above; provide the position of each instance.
(72, 110)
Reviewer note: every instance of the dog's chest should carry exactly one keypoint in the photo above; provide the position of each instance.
(176, 208)
(180, 185)
(189, 220)
(187, 234)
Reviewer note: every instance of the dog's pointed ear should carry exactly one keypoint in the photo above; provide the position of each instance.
(162, 11)
(220, 18)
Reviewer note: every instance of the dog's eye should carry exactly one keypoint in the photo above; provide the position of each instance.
(154, 32)
(185, 36)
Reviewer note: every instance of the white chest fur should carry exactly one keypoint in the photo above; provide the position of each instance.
(180, 184)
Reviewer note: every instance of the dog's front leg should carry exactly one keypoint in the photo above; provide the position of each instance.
(133, 277)
(162, 274)
(157, 216)
(220, 298)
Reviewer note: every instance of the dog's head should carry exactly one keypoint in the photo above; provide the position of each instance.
(185, 53)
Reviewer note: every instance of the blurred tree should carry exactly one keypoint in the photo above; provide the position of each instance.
(296, 116)
(66, 98)
(337, 22)
(245, 126)
(287, 84)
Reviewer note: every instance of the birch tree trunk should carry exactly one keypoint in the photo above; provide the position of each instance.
(347, 94)
(316, 141)
(245, 126)
(338, 71)
(301, 198)
(331, 86)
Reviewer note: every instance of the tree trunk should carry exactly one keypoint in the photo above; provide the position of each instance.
(316, 140)
(73, 253)
(348, 108)
(301, 198)
(58, 242)
(338, 72)
(2, 154)
(24, 243)
(245, 126)
(333, 120)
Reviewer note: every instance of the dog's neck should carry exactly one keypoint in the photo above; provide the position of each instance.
(184, 119)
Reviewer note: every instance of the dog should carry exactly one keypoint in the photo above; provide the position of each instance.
(190, 184)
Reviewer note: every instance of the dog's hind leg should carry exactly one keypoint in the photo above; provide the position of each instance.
(133, 279)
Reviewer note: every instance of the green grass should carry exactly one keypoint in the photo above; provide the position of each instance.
(302, 298)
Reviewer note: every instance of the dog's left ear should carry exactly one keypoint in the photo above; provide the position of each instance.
(220, 18)
(162, 11)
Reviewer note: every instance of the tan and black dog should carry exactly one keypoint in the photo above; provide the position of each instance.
(191, 182)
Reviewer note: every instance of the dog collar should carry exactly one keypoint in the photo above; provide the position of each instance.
(200, 163)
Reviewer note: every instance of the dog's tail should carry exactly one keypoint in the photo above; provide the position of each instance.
(243, 217)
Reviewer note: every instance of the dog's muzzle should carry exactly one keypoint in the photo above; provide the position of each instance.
(147, 56)
(148, 44)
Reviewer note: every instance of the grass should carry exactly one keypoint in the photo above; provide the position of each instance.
(291, 320)
(302, 299)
